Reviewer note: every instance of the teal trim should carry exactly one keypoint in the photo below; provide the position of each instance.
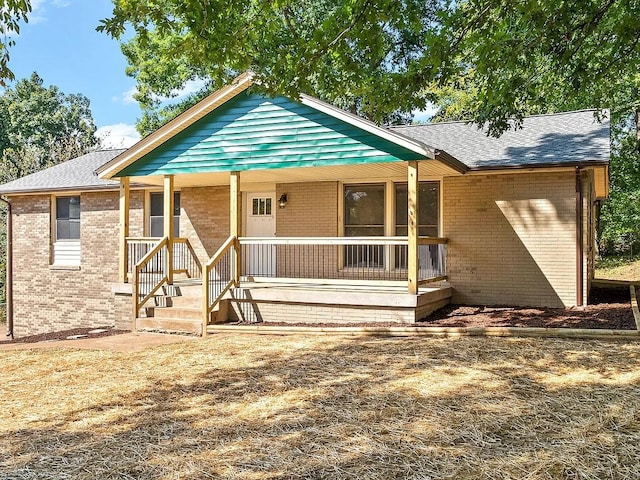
(252, 132)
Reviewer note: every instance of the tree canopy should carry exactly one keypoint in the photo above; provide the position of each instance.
(386, 56)
(42, 126)
(12, 12)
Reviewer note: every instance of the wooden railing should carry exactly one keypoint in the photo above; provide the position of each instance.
(137, 248)
(185, 259)
(150, 273)
(351, 259)
(432, 259)
(218, 276)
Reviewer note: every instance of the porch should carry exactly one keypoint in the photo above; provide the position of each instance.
(284, 280)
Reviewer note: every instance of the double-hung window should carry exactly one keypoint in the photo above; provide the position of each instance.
(66, 248)
(156, 214)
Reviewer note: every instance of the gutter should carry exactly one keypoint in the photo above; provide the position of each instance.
(9, 279)
(579, 245)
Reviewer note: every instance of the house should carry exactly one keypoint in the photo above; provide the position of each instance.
(268, 209)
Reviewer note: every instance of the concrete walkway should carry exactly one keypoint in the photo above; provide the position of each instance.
(126, 342)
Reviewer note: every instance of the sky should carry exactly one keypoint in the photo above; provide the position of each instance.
(61, 43)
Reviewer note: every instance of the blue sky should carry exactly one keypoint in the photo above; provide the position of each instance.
(61, 44)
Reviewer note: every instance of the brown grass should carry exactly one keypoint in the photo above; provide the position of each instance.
(619, 270)
(294, 407)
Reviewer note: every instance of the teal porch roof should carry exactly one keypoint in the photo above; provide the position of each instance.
(253, 132)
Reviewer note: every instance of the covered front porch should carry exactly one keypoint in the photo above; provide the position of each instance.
(308, 278)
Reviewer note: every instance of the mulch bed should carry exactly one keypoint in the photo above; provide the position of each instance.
(62, 335)
(608, 308)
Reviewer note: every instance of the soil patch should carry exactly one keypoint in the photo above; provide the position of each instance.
(92, 332)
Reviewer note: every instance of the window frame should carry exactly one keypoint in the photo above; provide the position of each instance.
(57, 219)
(390, 221)
(149, 216)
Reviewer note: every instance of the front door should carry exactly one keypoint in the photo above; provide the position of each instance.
(260, 216)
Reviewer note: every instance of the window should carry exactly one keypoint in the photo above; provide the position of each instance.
(261, 206)
(156, 214)
(67, 218)
(66, 247)
(428, 195)
(363, 217)
(364, 210)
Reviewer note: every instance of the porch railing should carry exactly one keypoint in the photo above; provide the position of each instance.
(184, 258)
(340, 258)
(218, 276)
(150, 273)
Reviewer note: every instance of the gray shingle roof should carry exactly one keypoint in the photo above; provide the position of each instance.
(559, 139)
(77, 173)
(568, 138)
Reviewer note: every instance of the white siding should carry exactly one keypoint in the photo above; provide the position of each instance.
(66, 253)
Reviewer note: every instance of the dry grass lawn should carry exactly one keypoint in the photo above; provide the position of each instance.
(618, 269)
(303, 407)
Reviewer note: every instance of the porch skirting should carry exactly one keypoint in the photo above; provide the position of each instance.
(332, 305)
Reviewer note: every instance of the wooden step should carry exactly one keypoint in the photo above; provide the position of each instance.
(185, 302)
(185, 313)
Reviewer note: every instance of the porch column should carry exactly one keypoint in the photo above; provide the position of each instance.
(123, 265)
(235, 220)
(168, 224)
(412, 226)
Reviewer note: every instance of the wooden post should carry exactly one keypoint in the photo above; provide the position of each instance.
(235, 220)
(168, 224)
(412, 226)
(124, 230)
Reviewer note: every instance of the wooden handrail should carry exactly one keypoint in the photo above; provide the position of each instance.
(229, 242)
(337, 240)
(137, 303)
(208, 303)
(432, 241)
(163, 241)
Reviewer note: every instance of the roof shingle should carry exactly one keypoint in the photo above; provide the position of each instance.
(568, 138)
(74, 174)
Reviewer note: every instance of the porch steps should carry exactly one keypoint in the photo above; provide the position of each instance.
(177, 310)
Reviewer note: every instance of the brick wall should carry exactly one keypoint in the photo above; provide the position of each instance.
(204, 218)
(311, 211)
(48, 299)
(511, 238)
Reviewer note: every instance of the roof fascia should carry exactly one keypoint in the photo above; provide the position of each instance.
(175, 126)
(537, 166)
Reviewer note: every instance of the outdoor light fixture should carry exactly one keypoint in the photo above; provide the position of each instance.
(282, 201)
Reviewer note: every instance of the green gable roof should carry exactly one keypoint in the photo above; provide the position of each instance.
(253, 132)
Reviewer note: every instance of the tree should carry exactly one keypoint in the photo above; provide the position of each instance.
(12, 12)
(39, 127)
(386, 54)
(360, 55)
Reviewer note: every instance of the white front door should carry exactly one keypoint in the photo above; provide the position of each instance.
(260, 217)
